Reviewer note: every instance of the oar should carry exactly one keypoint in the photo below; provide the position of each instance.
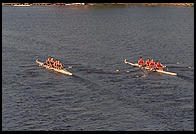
(178, 66)
(189, 67)
(184, 67)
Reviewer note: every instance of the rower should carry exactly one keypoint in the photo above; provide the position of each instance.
(52, 62)
(152, 65)
(61, 66)
(147, 62)
(50, 65)
(58, 65)
(140, 62)
(55, 64)
(47, 61)
(159, 66)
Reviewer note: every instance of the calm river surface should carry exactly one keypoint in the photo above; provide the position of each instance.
(95, 42)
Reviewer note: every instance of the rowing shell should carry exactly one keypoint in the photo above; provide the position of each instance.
(47, 67)
(147, 68)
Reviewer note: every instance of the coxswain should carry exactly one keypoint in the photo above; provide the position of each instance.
(140, 62)
(152, 65)
(159, 66)
(147, 62)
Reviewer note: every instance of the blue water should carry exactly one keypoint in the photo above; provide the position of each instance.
(95, 42)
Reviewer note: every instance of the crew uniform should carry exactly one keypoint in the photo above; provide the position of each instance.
(147, 62)
(140, 62)
(152, 64)
(159, 66)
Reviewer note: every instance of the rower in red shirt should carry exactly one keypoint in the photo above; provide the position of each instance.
(147, 62)
(159, 66)
(152, 65)
(140, 62)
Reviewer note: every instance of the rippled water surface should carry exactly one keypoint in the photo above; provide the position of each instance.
(95, 42)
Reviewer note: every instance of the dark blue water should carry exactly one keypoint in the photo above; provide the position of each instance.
(95, 42)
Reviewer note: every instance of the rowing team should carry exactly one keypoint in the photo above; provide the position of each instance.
(54, 64)
(150, 64)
